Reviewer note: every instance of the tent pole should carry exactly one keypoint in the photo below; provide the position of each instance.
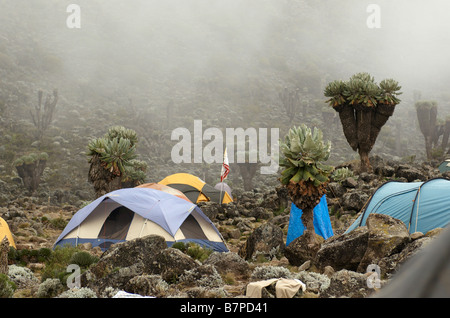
(417, 213)
(78, 235)
(142, 228)
(221, 190)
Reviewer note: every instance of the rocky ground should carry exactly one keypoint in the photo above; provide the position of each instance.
(254, 227)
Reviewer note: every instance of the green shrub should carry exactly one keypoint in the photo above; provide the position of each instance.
(180, 245)
(58, 223)
(7, 287)
(24, 256)
(193, 250)
(56, 265)
(83, 259)
(197, 252)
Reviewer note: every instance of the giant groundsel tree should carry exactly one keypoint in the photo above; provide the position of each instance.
(363, 107)
(305, 173)
(113, 161)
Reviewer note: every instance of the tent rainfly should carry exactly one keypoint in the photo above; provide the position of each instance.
(422, 206)
(5, 232)
(194, 188)
(130, 213)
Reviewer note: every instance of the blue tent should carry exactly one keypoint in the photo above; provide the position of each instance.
(130, 213)
(422, 206)
(322, 224)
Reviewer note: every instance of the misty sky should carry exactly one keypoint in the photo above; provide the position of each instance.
(183, 40)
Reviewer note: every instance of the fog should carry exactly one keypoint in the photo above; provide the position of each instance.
(168, 46)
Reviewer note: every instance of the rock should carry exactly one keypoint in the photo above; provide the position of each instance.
(231, 211)
(416, 235)
(305, 266)
(367, 177)
(266, 240)
(148, 285)
(390, 264)
(344, 251)
(283, 196)
(354, 200)
(387, 236)
(328, 271)
(337, 190)
(170, 264)
(102, 275)
(130, 252)
(211, 209)
(229, 263)
(123, 261)
(434, 232)
(409, 173)
(350, 182)
(345, 283)
(261, 213)
(299, 251)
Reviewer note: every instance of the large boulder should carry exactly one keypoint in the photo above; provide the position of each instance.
(387, 236)
(300, 250)
(344, 251)
(131, 252)
(266, 240)
(229, 263)
(123, 261)
(354, 200)
(409, 173)
(171, 263)
(389, 265)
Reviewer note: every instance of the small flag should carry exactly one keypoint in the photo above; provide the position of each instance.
(225, 166)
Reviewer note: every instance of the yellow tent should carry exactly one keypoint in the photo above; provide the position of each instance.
(195, 188)
(4, 231)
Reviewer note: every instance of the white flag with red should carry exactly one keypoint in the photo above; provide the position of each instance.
(225, 166)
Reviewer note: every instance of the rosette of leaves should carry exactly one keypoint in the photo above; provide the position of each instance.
(339, 175)
(117, 155)
(122, 132)
(113, 161)
(390, 89)
(305, 175)
(336, 91)
(135, 172)
(360, 92)
(304, 151)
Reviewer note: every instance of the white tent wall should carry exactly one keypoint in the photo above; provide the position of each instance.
(208, 230)
(92, 225)
(142, 227)
(139, 226)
